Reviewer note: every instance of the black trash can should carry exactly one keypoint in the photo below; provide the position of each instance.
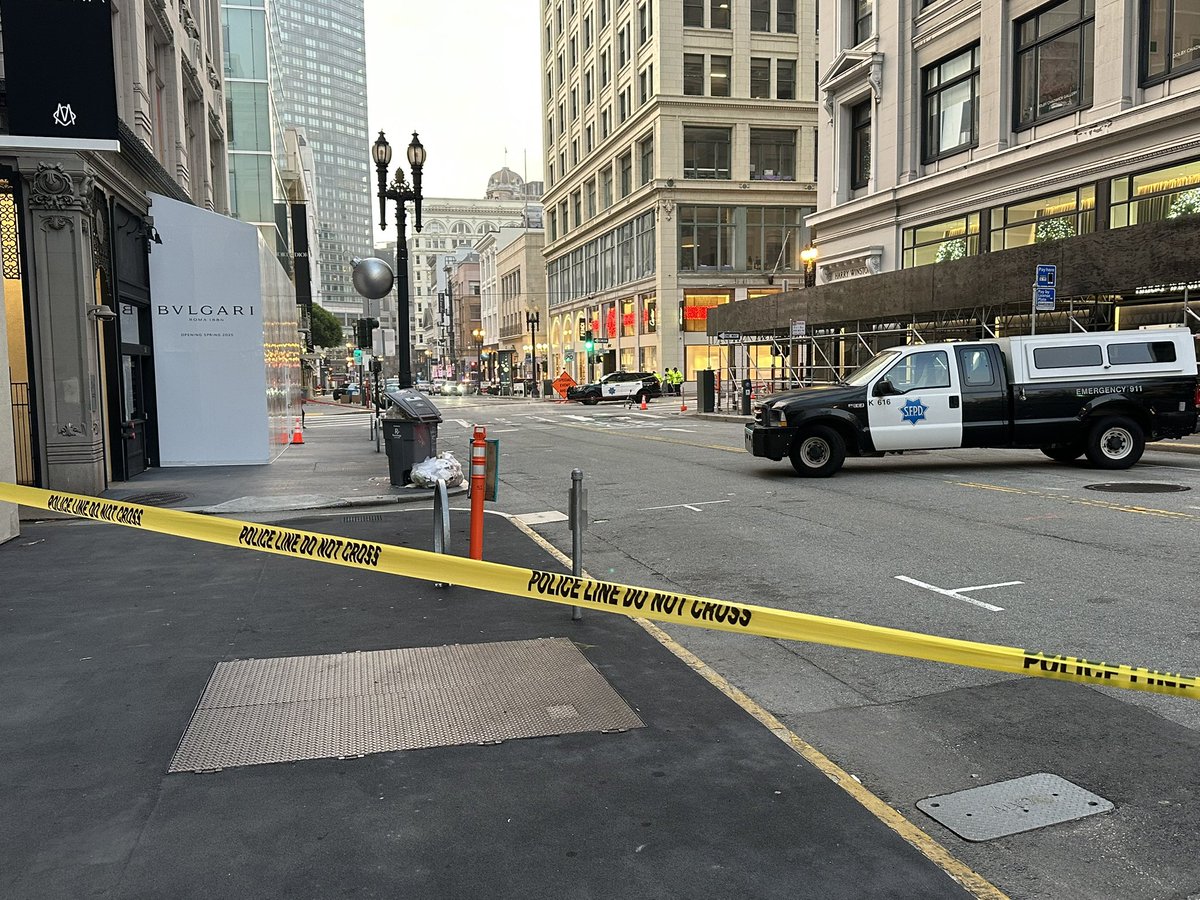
(747, 390)
(706, 390)
(409, 432)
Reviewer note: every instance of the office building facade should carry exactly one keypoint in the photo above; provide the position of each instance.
(680, 171)
(323, 65)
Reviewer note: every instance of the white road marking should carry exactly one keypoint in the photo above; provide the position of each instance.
(463, 422)
(579, 418)
(695, 507)
(541, 518)
(685, 430)
(503, 430)
(957, 593)
(541, 419)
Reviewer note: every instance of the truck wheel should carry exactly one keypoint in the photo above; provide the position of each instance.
(818, 452)
(1063, 452)
(1115, 443)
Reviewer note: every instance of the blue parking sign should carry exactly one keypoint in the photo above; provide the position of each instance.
(1047, 276)
(1043, 299)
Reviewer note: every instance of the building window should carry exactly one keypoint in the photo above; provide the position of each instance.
(625, 164)
(718, 13)
(646, 158)
(774, 238)
(760, 15)
(1049, 218)
(706, 152)
(645, 21)
(785, 16)
(646, 84)
(1170, 38)
(603, 7)
(588, 135)
(1054, 61)
(952, 104)
(587, 31)
(772, 155)
(562, 217)
(587, 87)
(785, 79)
(860, 145)
(719, 70)
(760, 78)
(605, 122)
(574, 48)
(629, 317)
(706, 238)
(693, 74)
(606, 187)
(863, 24)
(649, 316)
(695, 310)
(625, 104)
(623, 46)
(591, 198)
(561, 69)
(577, 207)
(604, 73)
(693, 13)
(552, 221)
(574, 103)
(941, 241)
(1154, 196)
(574, 151)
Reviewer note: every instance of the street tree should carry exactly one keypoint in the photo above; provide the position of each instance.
(326, 329)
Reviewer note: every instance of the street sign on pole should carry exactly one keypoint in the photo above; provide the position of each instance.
(729, 337)
(1047, 276)
(799, 327)
(1043, 299)
(600, 340)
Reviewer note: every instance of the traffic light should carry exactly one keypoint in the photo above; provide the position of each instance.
(362, 331)
(588, 344)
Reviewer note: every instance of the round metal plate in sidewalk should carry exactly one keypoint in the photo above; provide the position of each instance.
(1138, 487)
(155, 498)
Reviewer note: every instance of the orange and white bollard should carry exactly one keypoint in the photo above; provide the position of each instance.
(478, 489)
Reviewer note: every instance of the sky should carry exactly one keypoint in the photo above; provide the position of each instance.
(465, 74)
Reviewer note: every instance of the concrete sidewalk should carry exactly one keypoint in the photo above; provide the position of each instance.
(109, 636)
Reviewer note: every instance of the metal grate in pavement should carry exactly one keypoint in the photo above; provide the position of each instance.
(313, 707)
(1010, 807)
(155, 498)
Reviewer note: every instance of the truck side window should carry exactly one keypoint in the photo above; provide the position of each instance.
(1148, 352)
(917, 371)
(1069, 356)
(976, 368)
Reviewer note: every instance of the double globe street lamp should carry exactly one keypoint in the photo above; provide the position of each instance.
(399, 191)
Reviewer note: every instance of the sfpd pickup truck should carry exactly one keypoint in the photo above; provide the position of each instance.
(1103, 394)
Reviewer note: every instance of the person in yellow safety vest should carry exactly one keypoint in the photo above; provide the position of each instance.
(676, 382)
(661, 381)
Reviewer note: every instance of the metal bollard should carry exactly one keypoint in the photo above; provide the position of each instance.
(577, 516)
(441, 523)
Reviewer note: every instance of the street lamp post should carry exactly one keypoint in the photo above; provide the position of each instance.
(532, 320)
(450, 318)
(477, 334)
(400, 192)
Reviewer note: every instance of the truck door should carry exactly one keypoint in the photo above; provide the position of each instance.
(984, 396)
(915, 404)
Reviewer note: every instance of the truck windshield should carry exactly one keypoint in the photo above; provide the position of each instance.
(863, 374)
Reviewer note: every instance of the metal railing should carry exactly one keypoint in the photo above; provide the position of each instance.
(22, 417)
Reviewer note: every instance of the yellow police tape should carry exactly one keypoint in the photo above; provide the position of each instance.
(604, 596)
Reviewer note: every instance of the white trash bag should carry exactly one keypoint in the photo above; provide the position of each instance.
(443, 466)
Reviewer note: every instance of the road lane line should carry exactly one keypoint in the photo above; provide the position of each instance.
(946, 593)
(984, 587)
(692, 506)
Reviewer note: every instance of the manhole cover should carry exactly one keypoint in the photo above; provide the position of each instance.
(1010, 807)
(1138, 487)
(156, 498)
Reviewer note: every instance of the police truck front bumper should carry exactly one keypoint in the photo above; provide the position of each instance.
(771, 441)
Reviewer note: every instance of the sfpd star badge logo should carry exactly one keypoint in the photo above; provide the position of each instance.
(913, 411)
(612, 390)
(64, 115)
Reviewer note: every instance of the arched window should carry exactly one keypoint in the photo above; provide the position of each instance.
(461, 228)
(435, 227)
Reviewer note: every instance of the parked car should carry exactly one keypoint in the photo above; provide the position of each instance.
(627, 386)
(350, 390)
(423, 385)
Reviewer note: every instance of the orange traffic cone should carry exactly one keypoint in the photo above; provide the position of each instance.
(682, 401)
(297, 435)
(644, 406)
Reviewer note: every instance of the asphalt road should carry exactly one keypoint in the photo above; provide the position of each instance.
(675, 502)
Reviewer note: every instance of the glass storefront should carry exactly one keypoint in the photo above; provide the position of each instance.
(1153, 196)
(1042, 219)
(941, 241)
(696, 306)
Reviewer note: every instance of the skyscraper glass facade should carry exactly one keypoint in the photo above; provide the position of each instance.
(323, 64)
